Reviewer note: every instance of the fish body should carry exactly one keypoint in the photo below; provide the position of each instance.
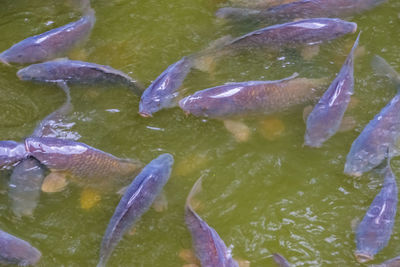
(259, 4)
(76, 72)
(24, 187)
(280, 260)
(135, 202)
(162, 93)
(51, 44)
(251, 98)
(304, 9)
(294, 34)
(375, 229)
(11, 152)
(326, 117)
(210, 248)
(17, 251)
(80, 160)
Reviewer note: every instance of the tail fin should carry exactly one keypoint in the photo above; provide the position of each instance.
(195, 190)
(238, 14)
(382, 68)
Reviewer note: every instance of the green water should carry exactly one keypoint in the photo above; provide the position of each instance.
(262, 196)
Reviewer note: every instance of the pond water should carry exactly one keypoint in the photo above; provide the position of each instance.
(269, 194)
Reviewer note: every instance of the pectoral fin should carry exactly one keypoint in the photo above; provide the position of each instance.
(189, 257)
(309, 52)
(241, 132)
(54, 182)
(89, 198)
(160, 204)
(348, 123)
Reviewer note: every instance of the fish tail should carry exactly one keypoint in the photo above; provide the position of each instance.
(195, 190)
(382, 68)
(90, 14)
(136, 87)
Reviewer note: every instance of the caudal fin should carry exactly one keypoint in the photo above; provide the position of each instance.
(195, 190)
(382, 68)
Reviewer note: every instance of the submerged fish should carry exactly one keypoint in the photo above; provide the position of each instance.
(280, 260)
(77, 72)
(304, 9)
(162, 93)
(17, 251)
(251, 98)
(259, 4)
(381, 133)
(293, 34)
(375, 229)
(24, 187)
(210, 248)
(88, 165)
(326, 117)
(135, 202)
(395, 262)
(11, 152)
(51, 44)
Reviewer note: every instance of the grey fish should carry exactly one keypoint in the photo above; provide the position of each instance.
(17, 251)
(301, 9)
(382, 132)
(24, 186)
(258, 4)
(280, 260)
(77, 72)
(251, 98)
(51, 44)
(294, 34)
(375, 229)
(11, 152)
(210, 248)
(85, 164)
(395, 262)
(324, 120)
(27, 177)
(135, 202)
(162, 93)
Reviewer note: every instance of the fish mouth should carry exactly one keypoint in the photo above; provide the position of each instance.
(4, 61)
(362, 257)
(145, 114)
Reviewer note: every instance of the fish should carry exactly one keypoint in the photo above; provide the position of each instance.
(395, 262)
(24, 186)
(259, 4)
(251, 97)
(84, 164)
(163, 92)
(374, 231)
(325, 119)
(293, 34)
(210, 248)
(135, 202)
(280, 260)
(11, 152)
(383, 131)
(77, 72)
(17, 251)
(51, 44)
(304, 9)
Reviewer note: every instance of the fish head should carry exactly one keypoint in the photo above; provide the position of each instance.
(148, 106)
(35, 72)
(363, 160)
(345, 27)
(363, 257)
(11, 152)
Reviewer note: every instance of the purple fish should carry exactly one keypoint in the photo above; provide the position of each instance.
(251, 98)
(17, 251)
(77, 72)
(375, 229)
(162, 93)
(51, 44)
(11, 152)
(294, 34)
(210, 248)
(135, 202)
(280, 260)
(381, 133)
(87, 164)
(301, 9)
(324, 120)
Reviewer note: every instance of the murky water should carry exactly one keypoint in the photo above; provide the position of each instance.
(262, 196)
